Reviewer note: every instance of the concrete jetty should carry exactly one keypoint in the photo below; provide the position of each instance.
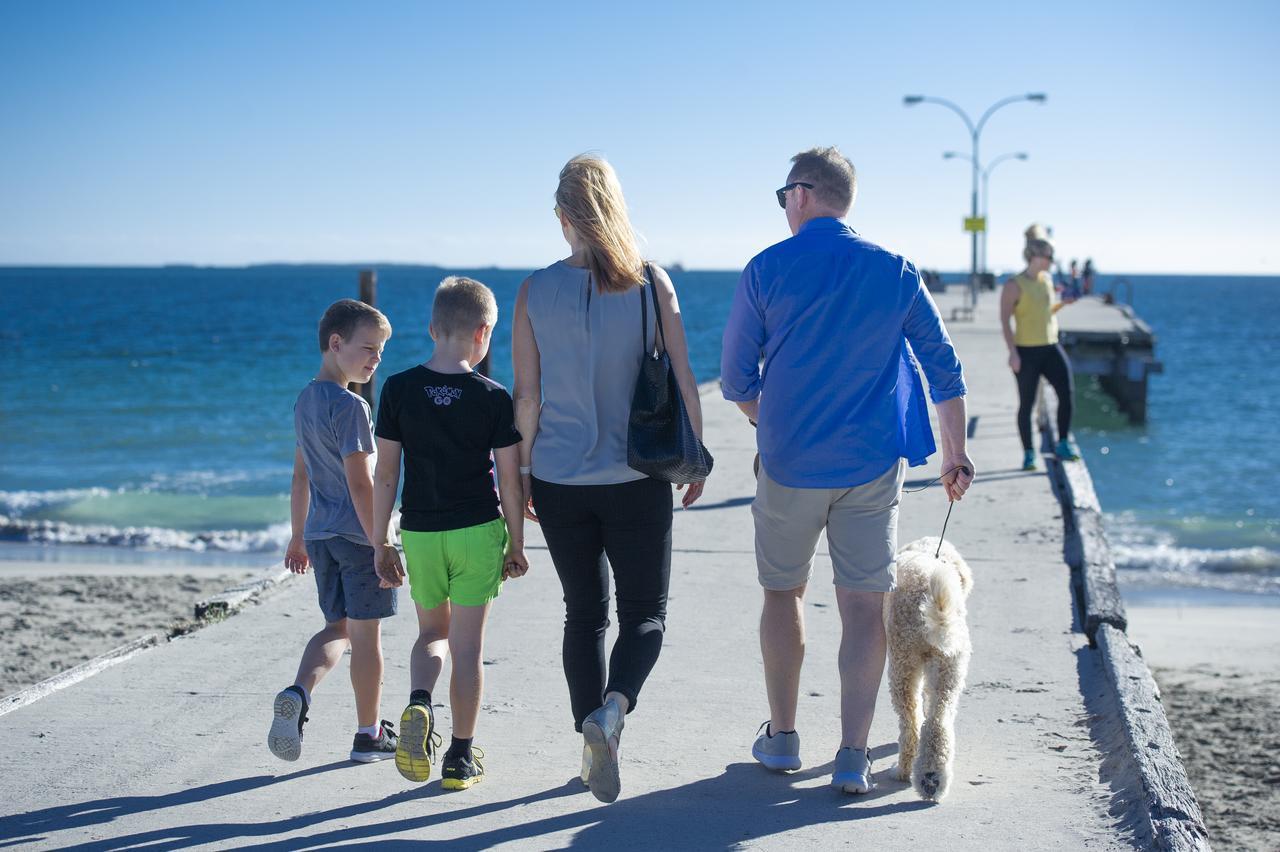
(1109, 340)
(167, 750)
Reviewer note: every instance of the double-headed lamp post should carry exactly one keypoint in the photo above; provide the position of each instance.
(986, 194)
(975, 132)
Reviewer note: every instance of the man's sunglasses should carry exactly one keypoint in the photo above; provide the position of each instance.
(782, 193)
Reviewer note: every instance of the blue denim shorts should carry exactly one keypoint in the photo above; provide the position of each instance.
(346, 581)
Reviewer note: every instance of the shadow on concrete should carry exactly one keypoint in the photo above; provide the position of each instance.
(101, 811)
(740, 805)
(731, 503)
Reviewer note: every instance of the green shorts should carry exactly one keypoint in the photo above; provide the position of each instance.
(463, 566)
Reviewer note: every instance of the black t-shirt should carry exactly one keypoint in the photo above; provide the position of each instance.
(447, 423)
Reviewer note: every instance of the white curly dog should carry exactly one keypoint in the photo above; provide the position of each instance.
(924, 620)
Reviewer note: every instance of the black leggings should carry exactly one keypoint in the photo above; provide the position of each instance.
(630, 523)
(1050, 362)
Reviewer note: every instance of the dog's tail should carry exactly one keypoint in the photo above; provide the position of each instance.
(944, 613)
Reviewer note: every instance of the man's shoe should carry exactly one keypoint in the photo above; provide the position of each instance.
(285, 737)
(779, 751)
(418, 742)
(1065, 452)
(367, 749)
(459, 771)
(853, 770)
(604, 723)
(1028, 459)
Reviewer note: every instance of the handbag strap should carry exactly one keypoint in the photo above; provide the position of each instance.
(657, 316)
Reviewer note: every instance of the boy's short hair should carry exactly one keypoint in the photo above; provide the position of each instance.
(344, 316)
(461, 306)
(835, 181)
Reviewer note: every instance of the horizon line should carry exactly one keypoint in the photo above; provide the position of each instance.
(424, 265)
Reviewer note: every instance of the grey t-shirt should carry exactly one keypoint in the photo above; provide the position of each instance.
(331, 423)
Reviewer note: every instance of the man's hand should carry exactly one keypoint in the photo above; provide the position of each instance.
(1015, 362)
(295, 556)
(514, 562)
(691, 496)
(957, 475)
(387, 565)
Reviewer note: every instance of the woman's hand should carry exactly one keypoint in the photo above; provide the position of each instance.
(526, 484)
(692, 494)
(1015, 362)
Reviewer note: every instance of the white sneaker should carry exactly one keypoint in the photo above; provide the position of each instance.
(777, 751)
(853, 770)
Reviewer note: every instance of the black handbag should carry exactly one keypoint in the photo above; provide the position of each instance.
(660, 439)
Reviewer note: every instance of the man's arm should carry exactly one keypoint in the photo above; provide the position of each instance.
(928, 337)
(295, 555)
(740, 348)
(957, 467)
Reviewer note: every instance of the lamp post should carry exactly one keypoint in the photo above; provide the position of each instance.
(975, 132)
(986, 194)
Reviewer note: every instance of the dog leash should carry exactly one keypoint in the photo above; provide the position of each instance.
(951, 504)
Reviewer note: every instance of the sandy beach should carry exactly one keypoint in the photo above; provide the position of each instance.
(1218, 668)
(56, 617)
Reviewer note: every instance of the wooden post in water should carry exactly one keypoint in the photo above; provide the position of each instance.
(368, 295)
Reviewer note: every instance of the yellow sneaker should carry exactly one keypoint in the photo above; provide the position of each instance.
(418, 742)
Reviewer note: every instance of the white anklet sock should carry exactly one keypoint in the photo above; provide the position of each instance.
(369, 730)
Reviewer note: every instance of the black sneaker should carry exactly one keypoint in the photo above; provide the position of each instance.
(459, 771)
(367, 749)
(285, 737)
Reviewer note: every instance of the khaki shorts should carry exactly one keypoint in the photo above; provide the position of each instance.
(861, 525)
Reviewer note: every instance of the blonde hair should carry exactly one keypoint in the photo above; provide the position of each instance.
(462, 305)
(344, 316)
(590, 198)
(1037, 247)
(834, 179)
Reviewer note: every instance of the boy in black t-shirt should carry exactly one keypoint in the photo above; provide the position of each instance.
(450, 422)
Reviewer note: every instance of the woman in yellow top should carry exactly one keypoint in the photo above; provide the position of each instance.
(1029, 300)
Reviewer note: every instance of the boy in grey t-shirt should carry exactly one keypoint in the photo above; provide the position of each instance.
(331, 511)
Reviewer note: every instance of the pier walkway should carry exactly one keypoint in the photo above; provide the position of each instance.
(167, 750)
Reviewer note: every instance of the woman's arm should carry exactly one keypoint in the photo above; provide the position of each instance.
(678, 353)
(1009, 299)
(527, 368)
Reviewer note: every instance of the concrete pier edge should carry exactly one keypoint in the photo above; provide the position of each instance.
(1170, 804)
(214, 608)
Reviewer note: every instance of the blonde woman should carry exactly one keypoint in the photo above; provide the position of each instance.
(576, 346)
(1029, 300)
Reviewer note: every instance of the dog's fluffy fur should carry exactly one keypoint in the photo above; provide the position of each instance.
(924, 619)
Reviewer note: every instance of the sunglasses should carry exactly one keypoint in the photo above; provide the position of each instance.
(782, 193)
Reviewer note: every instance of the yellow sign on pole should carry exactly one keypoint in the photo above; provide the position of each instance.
(976, 224)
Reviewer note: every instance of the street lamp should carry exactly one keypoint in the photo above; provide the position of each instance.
(986, 193)
(975, 131)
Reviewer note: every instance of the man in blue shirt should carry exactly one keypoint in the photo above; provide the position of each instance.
(839, 323)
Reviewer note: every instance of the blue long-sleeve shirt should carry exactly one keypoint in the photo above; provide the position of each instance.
(836, 319)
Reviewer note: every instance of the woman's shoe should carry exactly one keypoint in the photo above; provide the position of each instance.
(1065, 452)
(603, 725)
(1028, 459)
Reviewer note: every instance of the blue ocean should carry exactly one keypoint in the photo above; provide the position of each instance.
(149, 414)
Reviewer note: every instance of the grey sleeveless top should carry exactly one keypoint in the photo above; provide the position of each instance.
(589, 347)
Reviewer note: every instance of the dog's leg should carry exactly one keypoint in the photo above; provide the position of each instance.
(904, 691)
(944, 680)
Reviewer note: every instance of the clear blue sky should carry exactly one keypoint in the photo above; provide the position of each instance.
(230, 133)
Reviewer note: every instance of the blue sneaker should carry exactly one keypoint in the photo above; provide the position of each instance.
(779, 752)
(853, 770)
(1028, 459)
(1064, 451)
